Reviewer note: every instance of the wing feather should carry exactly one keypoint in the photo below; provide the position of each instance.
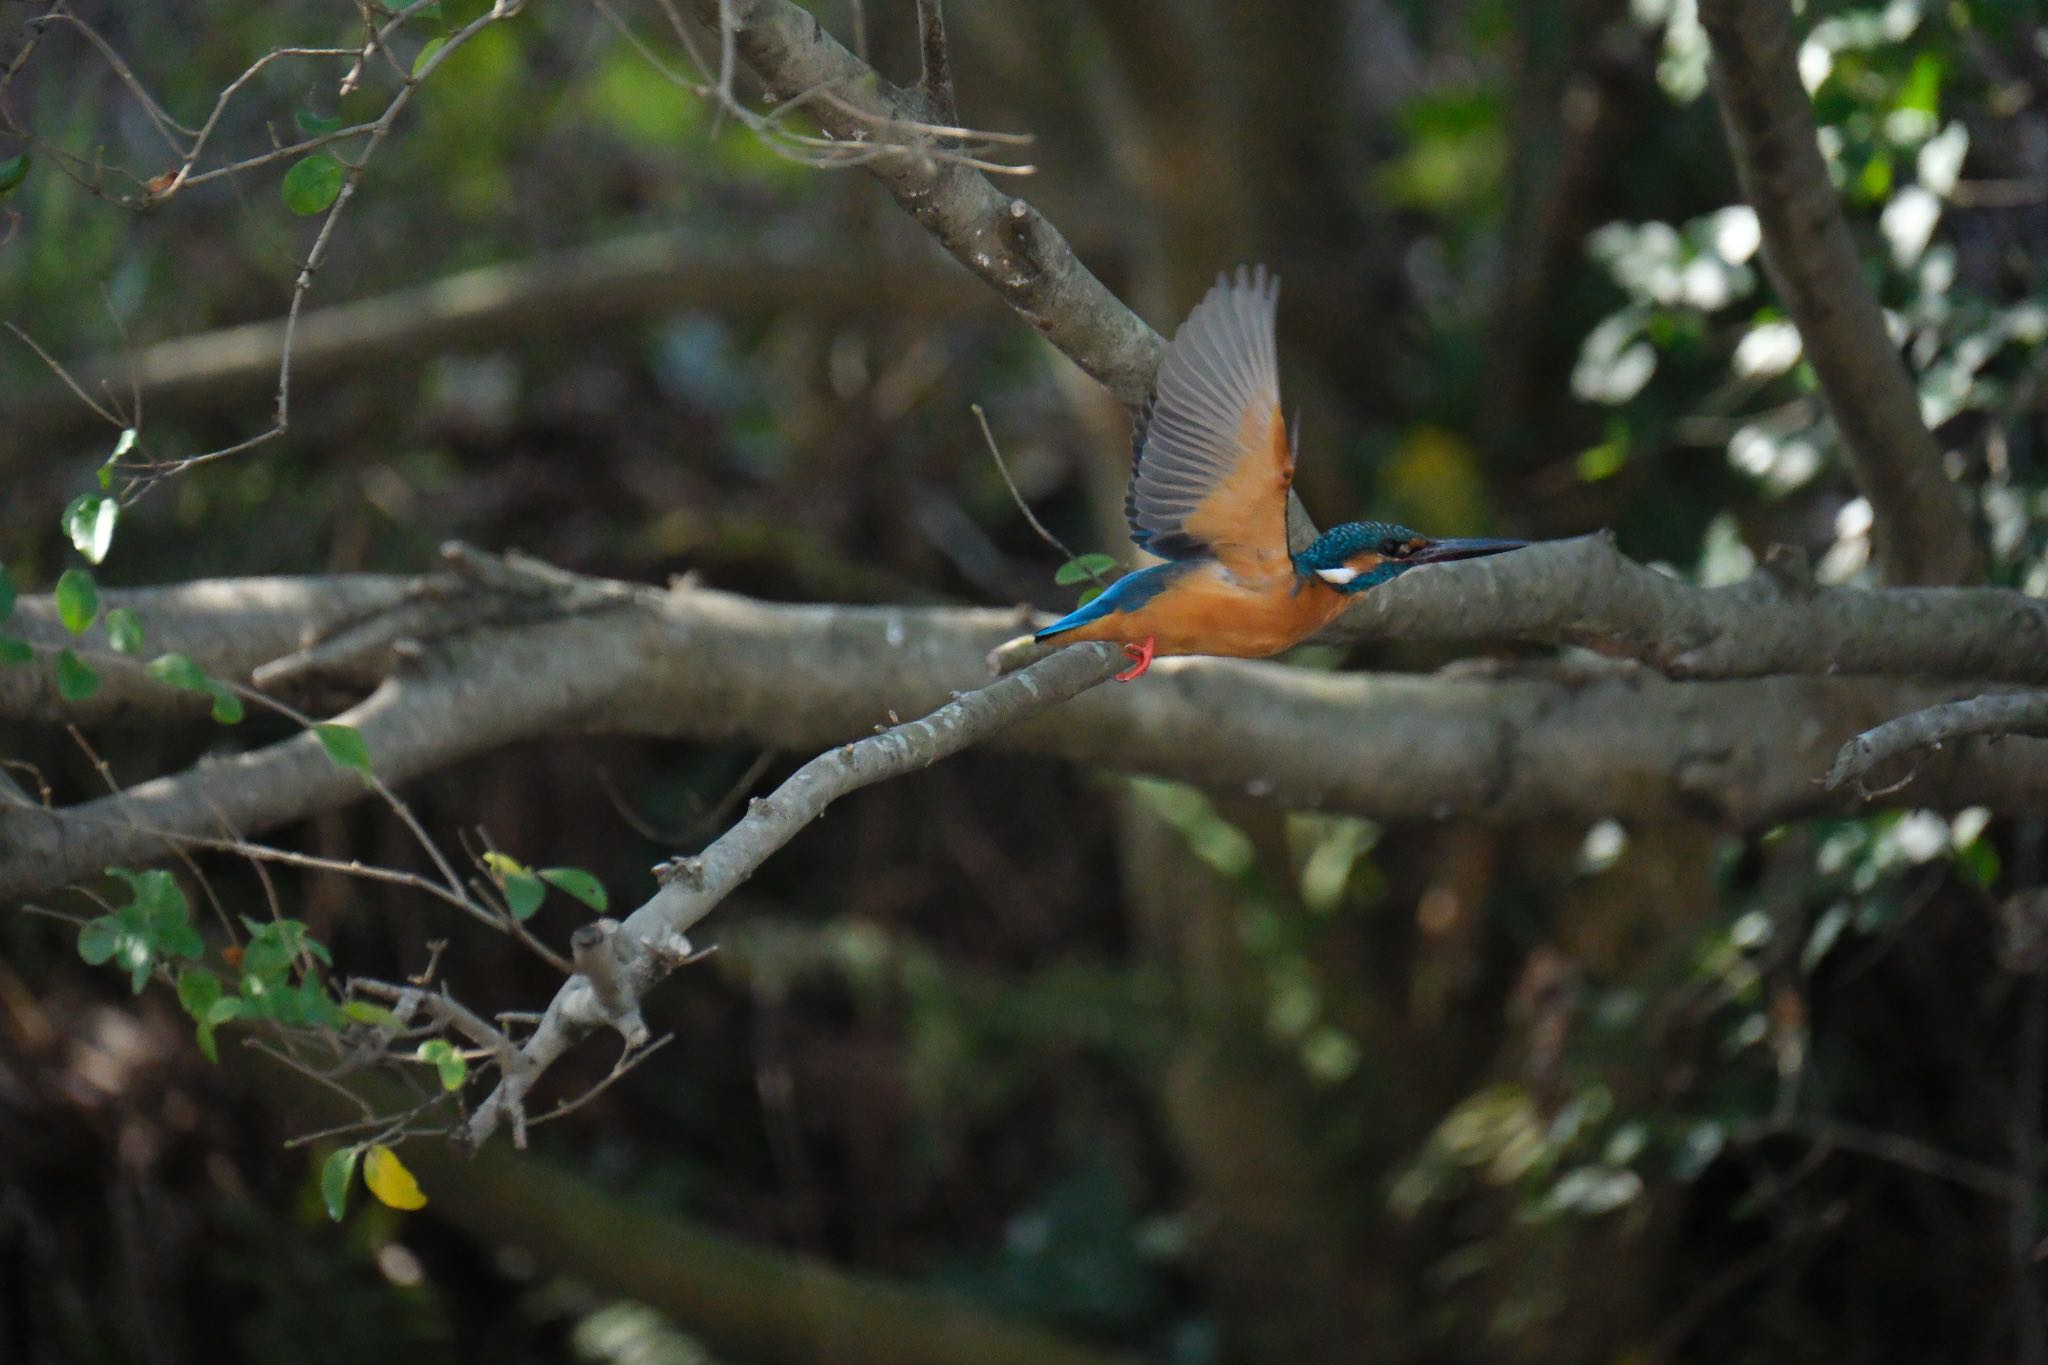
(1211, 461)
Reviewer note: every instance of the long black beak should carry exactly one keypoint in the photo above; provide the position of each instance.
(1439, 551)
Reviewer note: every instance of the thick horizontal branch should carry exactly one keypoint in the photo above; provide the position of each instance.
(1584, 592)
(1922, 533)
(1997, 713)
(690, 662)
(595, 286)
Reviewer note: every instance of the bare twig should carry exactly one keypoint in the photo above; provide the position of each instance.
(935, 69)
(1017, 496)
(1996, 713)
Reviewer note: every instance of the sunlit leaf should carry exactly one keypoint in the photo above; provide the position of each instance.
(364, 1012)
(390, 1181)
(577, 883)
(121, 447)
(337, 1173)
(432, 46)
(76, 679)
(504, 864)
(313, 184)
(89, 520)
(442, 1056)
(124, 631)
(78, 600)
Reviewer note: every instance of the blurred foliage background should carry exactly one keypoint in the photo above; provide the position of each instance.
(1176, 1075)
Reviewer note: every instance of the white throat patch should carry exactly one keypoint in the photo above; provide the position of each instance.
(1343, 573)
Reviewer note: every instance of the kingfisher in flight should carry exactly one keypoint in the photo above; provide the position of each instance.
(1211, 466)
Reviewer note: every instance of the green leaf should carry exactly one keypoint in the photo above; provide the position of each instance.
(1082, 568)
(523, 894)
(198, 990)
(6, 593)
(75, 678)
(221, 1011)
(98, 939)
(227, 707)
(121, 447)
(175, 670)
(209, 1047)
(577, 883)
(13, 171)
(376, 1016)
(124, 631)
(337, 1173)
(504, 864)
(344, 744)
(89, 520)
(427, 52)
(78, 600)
(452, 1065)
(13, 651)
(316, 125)
(1090, 594)
(313, 184)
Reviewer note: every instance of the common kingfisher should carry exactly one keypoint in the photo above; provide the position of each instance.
(1211, 464)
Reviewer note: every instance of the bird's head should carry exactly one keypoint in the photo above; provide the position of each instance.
(1364, 554)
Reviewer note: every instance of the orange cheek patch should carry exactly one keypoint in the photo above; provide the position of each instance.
(1366, 563)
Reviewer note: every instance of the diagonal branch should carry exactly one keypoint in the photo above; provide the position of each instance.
(1923, 534)
(652, 942)
(1013, 248)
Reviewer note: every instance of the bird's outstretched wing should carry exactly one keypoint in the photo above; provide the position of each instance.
(1211, 463)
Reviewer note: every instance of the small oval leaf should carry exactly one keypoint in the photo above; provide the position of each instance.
(427, 51)
(13, 171)
(523, 894)
(390, 1181)
(452, 1065)
(78, 600)
(124, 631)
(337, 1173)
(313, 184)
(577, 883)
(227, 707)
(175, 670)
(76, 679)
(1082, 568)
(89, 520)
(344, 744)
(316, 125)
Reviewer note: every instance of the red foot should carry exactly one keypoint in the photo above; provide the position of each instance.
(1140, 657)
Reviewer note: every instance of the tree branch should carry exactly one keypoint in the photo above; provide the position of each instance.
(586, 288)
(1922, 533)
(1002, 240)
(1998, 713)
(652, 941)
(689, 662)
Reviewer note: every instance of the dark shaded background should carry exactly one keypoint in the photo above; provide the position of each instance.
(1177, 1075)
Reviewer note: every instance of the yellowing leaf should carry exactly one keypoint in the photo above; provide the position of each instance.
(388, 1179)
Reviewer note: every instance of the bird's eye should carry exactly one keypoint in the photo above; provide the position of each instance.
(1393, 548)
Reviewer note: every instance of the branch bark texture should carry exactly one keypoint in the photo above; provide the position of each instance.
(1003, 240)
(1921, 530)
(1998, 713)
(1549, 742)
